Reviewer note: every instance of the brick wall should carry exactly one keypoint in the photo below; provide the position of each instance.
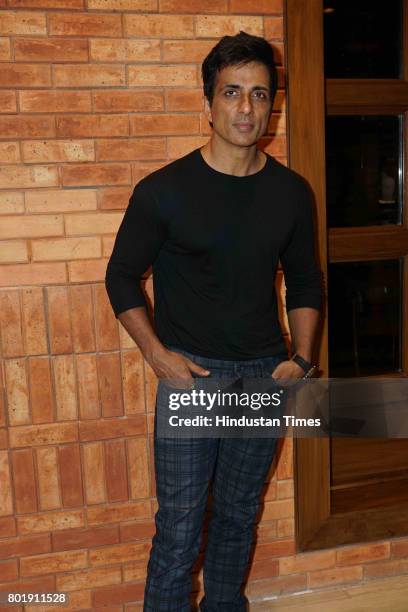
(94, 95)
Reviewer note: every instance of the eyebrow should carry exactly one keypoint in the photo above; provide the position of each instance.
(233, 86)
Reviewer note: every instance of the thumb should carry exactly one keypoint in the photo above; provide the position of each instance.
(194, 367)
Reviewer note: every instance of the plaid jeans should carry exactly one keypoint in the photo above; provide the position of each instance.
(184, 468)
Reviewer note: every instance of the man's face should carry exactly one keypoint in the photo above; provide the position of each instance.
(241, 105)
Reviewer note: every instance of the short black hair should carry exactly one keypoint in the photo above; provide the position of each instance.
(235, 50)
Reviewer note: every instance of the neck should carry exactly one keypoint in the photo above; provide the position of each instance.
(238, 161)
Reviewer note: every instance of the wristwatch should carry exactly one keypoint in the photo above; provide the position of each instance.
(308, 368)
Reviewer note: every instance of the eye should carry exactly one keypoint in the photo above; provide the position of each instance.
(230, 92)
(261, 94)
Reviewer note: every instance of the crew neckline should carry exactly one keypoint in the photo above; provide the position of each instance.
(227, 176)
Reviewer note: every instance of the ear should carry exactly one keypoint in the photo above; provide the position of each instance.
(207, 110)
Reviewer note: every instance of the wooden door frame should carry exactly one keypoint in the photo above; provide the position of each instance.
(315, 526)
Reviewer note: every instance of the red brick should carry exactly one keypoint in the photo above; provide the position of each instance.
(50, 521)
(88, 392)
(220, 25)
(49, 101)
(257, 7)
(57, 4)
(85, 538)
(260, 569)
(96, 174)
(60, 200)
(9, 153)
(193, 6)
(184, 100)
(65, 387)
(35, 336)
(42, 400)
(138, 458)
(103, 429)
(119, 553)
(29, 585)
(93, 126)
(124, 50)
(276, 146)
(25, 494)
(179, 50)
(8, 103)
(166, 26)
(123, 5)
(306, 562)
(162, 76)
(51, 49)
(47, 476)
(399, 548)
(116, 471)
(58, 151)
(114, 198)
(131, 149)
(277, 586)
(118, 594)
(13, 251)
(285, 489)
(110, 388)
(107, 335)
(285, 528)
(164, 125)
(177, 146)
(285, 465)
(94, 473)
(31, 226)
(141, 530)
(136, 571)
(125, 343)
(127, 101)
(279, 548)
(32, 274)
(53, 562)
(70, 475)
(9, 570)
(133, 382)
(24, 22)
(25, 545)
(7, 527)
(99, 223)
(90, 75)
(85, 24)
(395, 567)
(89, 579)
(17, 126)
(17, 392)
(25, 75)
(337, 575)
(82, 318)
(3, 438)
(273, 27)
(65, 248)
(29, 176)
(35, 435)
(363, 554)
(10, 324)
(11, 202)
(59, 320)
(5, 54)
(87, 270)
(119, 512)
(6, 499)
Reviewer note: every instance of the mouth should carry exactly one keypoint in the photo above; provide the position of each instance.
(244, 127)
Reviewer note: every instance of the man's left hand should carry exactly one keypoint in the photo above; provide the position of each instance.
(287, 370)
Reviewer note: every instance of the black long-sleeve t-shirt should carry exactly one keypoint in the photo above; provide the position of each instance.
(214, 241)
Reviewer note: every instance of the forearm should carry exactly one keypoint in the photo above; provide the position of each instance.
(303, 323)
(138, 325)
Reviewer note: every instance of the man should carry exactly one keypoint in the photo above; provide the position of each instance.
(214, 224)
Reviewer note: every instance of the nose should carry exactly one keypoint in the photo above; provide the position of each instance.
(245, 104)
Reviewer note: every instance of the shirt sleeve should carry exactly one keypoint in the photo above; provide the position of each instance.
(137, 244)
(302, 276)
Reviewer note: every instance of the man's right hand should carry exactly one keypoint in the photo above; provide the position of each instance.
(177, 369)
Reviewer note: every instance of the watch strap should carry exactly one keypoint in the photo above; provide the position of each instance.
(306, 366)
